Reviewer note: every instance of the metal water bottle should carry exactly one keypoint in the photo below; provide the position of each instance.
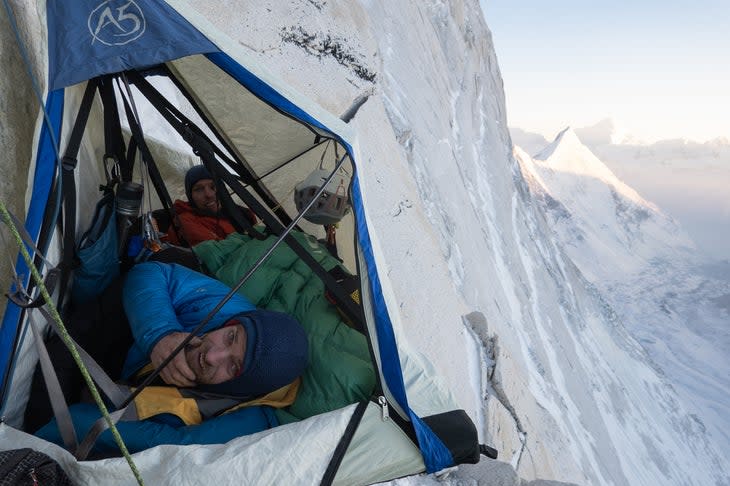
(129, 202)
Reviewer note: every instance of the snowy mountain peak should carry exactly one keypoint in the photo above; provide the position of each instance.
(594, 210)
(570, 137)
(568, 154)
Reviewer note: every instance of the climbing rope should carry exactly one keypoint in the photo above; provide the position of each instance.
(68, 342)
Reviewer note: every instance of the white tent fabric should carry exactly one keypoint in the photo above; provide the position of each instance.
(297, 453)
(292, 454)
(248, 459)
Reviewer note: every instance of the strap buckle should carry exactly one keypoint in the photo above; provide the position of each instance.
(23, 300)
(69, 163)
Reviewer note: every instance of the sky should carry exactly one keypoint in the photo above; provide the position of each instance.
(657, 68)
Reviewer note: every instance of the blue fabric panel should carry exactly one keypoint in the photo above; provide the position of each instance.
(88, 38)
(97, 253)
(436, 455)
(45, 171)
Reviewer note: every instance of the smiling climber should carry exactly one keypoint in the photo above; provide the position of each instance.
(241, 354)
(242, 351)
(202, 217)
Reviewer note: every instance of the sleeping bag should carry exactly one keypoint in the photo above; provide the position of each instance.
(340, 370)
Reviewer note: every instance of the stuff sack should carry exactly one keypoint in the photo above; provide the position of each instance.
(97, 253)
(21, 467)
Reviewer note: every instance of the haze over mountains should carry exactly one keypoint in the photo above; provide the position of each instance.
(646, 267)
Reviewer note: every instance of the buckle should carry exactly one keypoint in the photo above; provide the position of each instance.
(69, 163)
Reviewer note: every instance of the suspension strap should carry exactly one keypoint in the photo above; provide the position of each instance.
(240, 222)
(55, 394)
(101, 424)
(182, 123)
(50, 281)
(132, 151)
(202, 146)
(141, 145)
(349, 307)
(115, 393)
(68, 185)
(205, 150)
(113, 140)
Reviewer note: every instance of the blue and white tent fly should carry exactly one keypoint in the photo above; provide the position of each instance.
(183, 93)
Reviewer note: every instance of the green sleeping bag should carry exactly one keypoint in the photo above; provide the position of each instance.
(340, 370)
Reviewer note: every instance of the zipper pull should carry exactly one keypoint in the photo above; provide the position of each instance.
(384, 408)
(33, 477)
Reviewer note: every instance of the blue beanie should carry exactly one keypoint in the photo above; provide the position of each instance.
(276, 353)
(193, 175)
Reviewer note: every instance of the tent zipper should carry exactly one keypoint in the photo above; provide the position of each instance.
(404, 424)
(385, 415)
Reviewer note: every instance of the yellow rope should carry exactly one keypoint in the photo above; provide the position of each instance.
(69, 344)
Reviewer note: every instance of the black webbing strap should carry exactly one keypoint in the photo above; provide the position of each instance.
(48, 225)
(68, 185)
(191, 132)
(241, 223)
(178, 119)
(152, 170)
(346, 304)
(132, 152)
(113, 140)
(203, 147)
(343, 444)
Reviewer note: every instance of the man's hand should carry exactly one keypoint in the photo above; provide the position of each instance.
(177, 372)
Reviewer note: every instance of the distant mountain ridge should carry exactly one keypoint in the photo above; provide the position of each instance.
(612, 228)
(644, 265)
(688, 180)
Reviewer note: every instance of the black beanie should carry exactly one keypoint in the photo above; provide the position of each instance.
(193, 175)
(277, 352)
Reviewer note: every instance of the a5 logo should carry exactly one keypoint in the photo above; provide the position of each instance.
(116, 22)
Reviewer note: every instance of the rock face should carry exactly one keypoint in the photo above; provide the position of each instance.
(19, 110)
(567, 393)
